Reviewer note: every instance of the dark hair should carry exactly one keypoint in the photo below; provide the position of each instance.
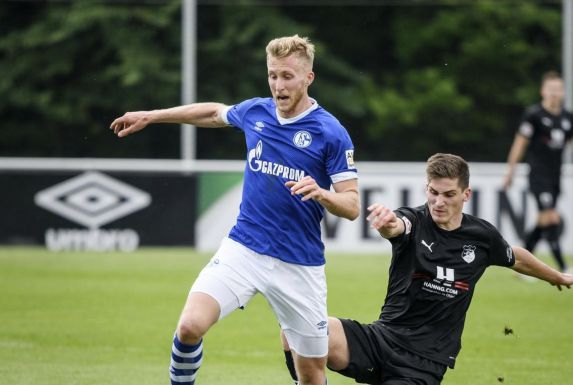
(550, 75)
(448, 166)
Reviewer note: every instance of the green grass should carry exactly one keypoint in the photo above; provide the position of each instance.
(89, 318)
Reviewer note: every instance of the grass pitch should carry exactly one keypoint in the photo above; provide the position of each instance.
(88, 318)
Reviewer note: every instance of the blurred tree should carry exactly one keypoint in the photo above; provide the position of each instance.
(460, 77)
(406, 81)
(69, 67)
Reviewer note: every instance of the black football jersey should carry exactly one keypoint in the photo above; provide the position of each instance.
(548, 135)
(432, 279)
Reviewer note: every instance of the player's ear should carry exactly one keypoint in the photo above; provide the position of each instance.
(467, 194)
(309, 78)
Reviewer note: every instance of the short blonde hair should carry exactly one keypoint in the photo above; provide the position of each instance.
(288, 45)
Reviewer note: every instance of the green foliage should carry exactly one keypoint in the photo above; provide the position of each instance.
(108, 318)
(70, 67)
(426, 111)
(406, 81)
(462, 76)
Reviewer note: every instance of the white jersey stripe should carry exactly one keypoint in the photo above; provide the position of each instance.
(341, 177)
(223, 114)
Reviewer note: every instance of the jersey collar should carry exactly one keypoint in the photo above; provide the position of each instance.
(294, 119)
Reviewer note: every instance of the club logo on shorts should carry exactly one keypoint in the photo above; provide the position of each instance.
(468, 253)
(302, 139)
(546, 199)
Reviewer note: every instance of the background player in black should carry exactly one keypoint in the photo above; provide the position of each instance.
(543, 133)
(438, 255)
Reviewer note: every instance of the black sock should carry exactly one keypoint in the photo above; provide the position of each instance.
(290, 365)
(552, 235)
(532, 238)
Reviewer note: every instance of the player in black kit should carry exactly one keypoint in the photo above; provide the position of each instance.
(438, 255)
(543, 133)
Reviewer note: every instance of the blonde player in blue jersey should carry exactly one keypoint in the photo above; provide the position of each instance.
(295, 152)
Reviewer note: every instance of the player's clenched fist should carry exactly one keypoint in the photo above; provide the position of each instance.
(307, 187)
(381, 216)
(385, 221)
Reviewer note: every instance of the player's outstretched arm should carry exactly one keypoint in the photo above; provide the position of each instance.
(198, 114)
(385, 221)
(526, 263)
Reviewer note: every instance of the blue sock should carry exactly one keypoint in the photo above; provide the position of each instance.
(185, 361)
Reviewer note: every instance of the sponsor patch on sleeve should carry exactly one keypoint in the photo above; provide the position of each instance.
(407, 225)
(509, 252)
(526, 129)
(350, 158)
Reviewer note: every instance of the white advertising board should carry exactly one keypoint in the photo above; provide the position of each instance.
(403, 184)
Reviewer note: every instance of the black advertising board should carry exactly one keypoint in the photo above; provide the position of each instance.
(97, 210)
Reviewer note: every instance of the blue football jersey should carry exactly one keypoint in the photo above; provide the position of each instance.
(271, 221)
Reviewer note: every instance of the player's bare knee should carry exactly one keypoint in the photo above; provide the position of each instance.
(311, 371)
(190, 332)
(315, 377)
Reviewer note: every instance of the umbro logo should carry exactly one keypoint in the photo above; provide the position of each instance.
(92, 199)
(259, 126)
(428, 246)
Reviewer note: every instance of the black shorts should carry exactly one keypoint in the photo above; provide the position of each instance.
(545, 192)
(376, 360)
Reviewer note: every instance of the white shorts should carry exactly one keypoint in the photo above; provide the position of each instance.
(296, 293)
